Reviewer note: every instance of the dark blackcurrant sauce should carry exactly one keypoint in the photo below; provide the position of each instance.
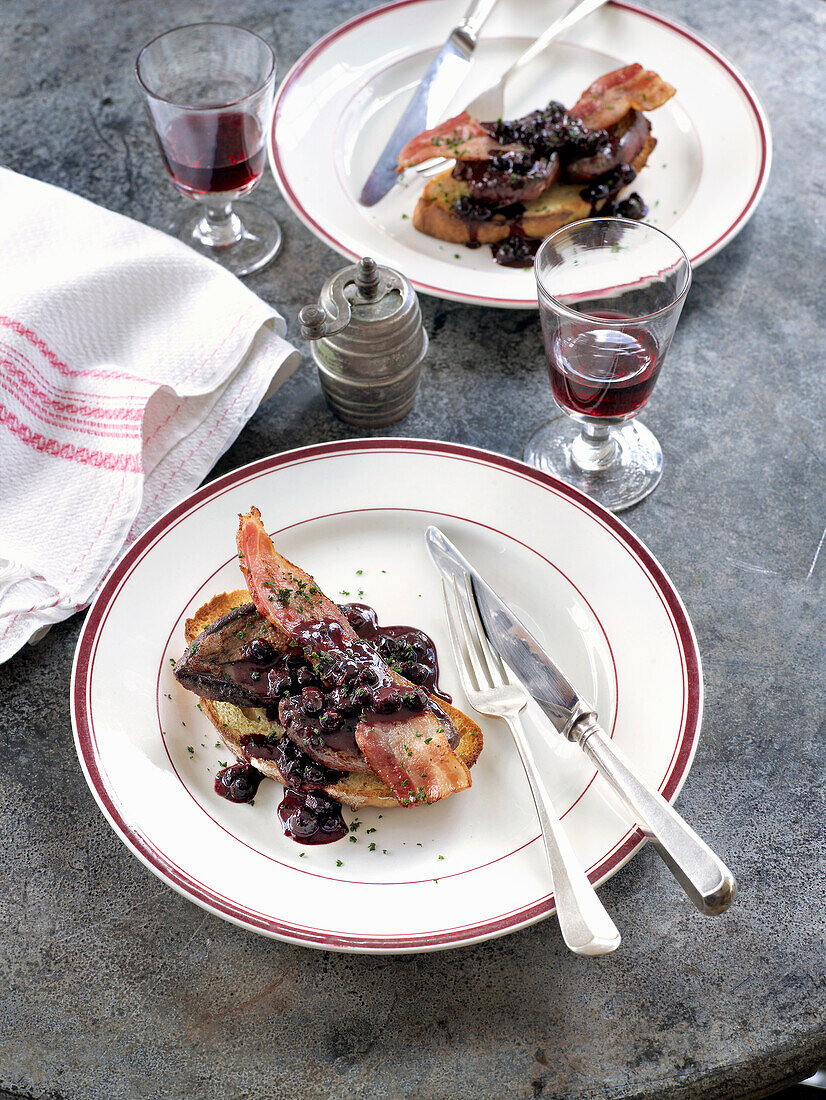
(311, 818)
(306, 814)
(238, 783)
(548, 145)
(318, 691)
(407, 646)
(269, 674)
(301, 772)
(516, 251)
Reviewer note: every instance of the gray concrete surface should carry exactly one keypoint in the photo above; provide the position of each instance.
(112, 986)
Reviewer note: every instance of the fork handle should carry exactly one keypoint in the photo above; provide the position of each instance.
(559, 26)
(586, 926)
(701, 873)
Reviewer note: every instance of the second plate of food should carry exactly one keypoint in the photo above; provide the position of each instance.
(339, 103)
(353, 514)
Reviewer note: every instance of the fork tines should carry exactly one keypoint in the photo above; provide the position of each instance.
(480, 662)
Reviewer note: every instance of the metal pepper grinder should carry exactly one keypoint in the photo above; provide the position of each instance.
(368, 343)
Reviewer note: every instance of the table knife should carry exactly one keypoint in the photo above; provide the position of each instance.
(434, 93)
(705, 878)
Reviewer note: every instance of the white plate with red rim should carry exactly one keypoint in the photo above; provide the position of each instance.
(338, 105)
(354, 514)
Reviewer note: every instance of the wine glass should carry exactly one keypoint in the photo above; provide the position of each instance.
(610, 295)
(208, 90)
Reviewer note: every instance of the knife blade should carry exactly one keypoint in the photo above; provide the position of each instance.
(438, 86)
(705, 878)
(555, 694)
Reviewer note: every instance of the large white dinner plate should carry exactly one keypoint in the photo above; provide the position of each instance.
(354, 514)
(338, 105)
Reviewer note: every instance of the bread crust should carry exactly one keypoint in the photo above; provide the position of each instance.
(354, 789)
(560, 205)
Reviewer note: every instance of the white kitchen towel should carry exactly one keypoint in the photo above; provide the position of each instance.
(128, 364)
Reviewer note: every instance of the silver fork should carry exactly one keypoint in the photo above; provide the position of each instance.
(586, 927)
(490, 104)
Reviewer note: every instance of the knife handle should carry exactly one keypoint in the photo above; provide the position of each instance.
(702, 874)
(475, 18)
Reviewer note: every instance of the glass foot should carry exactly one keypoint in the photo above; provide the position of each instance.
(245, 240)
(618, 473)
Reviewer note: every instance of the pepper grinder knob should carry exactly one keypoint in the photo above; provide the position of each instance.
(367, 277)
(313, 322)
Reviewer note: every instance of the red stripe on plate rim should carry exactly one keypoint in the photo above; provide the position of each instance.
(704, 254)
(160, 864)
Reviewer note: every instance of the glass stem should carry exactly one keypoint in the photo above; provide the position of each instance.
(220, 226)
(594, 449)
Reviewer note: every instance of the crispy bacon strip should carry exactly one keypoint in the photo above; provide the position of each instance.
(411, 754)
(612, 96)
(412, 757)
(282, 592)
(461, 137)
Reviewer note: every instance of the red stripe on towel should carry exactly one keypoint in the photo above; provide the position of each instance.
(101, 459)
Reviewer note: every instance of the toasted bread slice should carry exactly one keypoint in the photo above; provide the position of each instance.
(561, 204)
(354, 789)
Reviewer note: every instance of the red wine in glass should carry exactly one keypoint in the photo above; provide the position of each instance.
(602, 372)
(210, 154)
